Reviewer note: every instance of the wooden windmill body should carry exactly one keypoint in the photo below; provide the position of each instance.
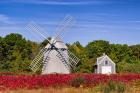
(55, 56)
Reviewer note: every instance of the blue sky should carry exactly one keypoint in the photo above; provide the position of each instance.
(117, 21)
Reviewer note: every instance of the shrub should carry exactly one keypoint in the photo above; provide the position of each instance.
(76, 82)
(121, 88)
(105, 89)
(128, 67)
(132, 68)
(111, 85)
(108, 87)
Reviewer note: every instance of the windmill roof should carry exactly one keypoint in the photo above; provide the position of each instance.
(58, 43)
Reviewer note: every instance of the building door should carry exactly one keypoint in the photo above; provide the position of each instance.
(106, 69)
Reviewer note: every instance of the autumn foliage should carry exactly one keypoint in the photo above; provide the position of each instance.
(53, 80)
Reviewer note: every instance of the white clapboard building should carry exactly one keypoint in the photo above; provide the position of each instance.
(104, 65)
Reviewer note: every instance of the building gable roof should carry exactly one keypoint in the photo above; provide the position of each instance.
(102, 58)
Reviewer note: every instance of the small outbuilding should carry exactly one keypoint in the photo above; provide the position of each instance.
(104, 65)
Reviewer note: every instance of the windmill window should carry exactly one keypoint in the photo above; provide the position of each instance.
(106, 62)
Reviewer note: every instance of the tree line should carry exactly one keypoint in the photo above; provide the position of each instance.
(16, 54)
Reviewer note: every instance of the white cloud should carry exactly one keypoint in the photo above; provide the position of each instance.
(5, 19)
(59, 2)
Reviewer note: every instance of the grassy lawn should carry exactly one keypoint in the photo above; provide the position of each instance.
(65, 90)
(97, 89)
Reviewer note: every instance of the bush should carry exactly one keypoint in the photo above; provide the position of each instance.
(76, 82)
(132, 68)
(105, 89)
(111, 85)
(121, 88)
(128, 67)
(86, 80)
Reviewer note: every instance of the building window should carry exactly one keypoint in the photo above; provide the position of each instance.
(106, 62)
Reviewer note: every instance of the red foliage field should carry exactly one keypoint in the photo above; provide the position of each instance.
(43, 81)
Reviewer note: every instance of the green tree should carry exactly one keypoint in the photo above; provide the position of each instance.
(97, 48)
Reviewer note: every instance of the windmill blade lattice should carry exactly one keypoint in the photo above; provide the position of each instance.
(38, 60)
(63, 58)
(66, 57)
(73, 60)
(46, 60)
(70, 60)
(64, 25)
(32, 26)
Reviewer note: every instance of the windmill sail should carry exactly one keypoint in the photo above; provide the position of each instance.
(37, 61)
(55, 56)
(70, 58)
(64, 25)
(63, 58)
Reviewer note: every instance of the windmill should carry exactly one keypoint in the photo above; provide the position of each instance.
(55, 56)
